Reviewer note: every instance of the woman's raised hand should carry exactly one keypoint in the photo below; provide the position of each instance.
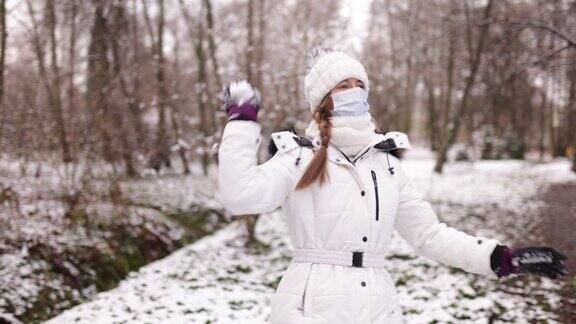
(542, 261)
(240, 100)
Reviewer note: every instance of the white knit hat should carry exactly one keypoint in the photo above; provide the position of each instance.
(325, 69)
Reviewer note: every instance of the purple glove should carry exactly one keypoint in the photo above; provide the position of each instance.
(543, 261)
(241, 101)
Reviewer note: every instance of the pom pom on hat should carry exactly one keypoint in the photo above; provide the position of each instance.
(325, 68)
(314, 52)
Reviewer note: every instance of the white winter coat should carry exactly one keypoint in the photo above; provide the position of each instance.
(337, 216)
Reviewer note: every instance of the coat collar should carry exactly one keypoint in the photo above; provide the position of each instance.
(338, 157)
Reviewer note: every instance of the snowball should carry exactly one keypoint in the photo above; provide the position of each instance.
(241, 91)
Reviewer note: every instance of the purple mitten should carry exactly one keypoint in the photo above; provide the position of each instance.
(241, 101)
(543, 261)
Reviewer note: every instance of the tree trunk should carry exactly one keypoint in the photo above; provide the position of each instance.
(259, 51)
(51, 82)
(162, 91)
(432, 116)
(175, 116)
(250, 42)
(181, 149)
(197, 40)
(98, 83)
(117, 34)
(134, 67)
(56, 83)
(218, 124)
(160, 155)
(452, 130)
(72, 67)
(211, 42)
(572, 114)
(3, 38)
(542, 125)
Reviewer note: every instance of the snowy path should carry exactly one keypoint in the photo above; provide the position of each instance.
(215, 280)
(557, 228)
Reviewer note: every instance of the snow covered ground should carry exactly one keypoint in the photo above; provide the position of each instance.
(66, 232)
(217, 280)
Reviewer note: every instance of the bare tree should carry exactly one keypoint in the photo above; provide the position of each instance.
(250, 42)
(161, 154)
(127, 125)
(52, 78)
(176, 116)
(197, 36)
(559, 31)
(72, 40)
(455, 120)
(211, 42)
(98, 84)
(3, 38)
(572, 113)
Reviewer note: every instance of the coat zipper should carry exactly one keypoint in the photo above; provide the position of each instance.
(375, 192)
(360, 155)
(344, 155)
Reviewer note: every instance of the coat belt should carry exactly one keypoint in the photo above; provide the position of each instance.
(336, 257)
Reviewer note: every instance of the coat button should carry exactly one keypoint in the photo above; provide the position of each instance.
(337, 160)
(362, 193)
(363, 284)
(479, 241)
(364, 239)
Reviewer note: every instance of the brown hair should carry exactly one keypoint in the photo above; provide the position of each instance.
(316, 169)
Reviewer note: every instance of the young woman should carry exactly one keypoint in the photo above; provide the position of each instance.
(342, 195)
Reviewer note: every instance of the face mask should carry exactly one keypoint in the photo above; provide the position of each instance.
(350, 102)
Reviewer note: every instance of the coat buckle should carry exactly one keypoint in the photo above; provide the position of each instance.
(357, 259)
